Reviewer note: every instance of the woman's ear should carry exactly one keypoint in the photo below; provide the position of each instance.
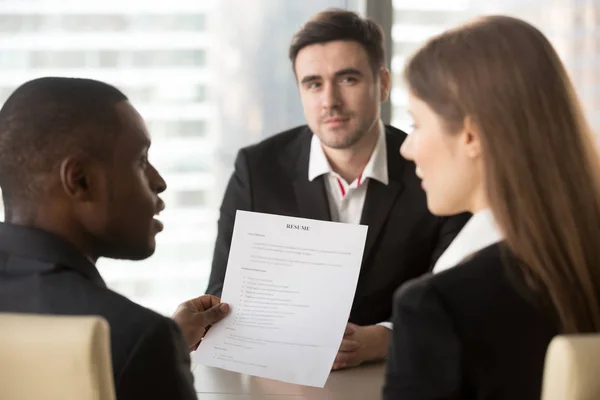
(472, 139)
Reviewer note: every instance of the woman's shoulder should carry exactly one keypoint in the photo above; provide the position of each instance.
(479, 275)
(492, 259)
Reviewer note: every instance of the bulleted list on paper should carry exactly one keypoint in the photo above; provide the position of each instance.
(290, 283)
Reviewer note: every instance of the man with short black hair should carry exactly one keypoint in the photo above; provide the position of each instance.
(77, 185)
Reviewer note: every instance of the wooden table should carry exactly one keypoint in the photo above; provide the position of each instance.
(360, 383)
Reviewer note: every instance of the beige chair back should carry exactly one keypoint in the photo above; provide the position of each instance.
(46, 357)
(572, 366)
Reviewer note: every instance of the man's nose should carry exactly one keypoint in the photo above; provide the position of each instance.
(330, 97)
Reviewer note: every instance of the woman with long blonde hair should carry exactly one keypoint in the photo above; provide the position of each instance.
(499, 132)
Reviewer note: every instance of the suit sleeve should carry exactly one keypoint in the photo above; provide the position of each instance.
(237, 197)
(159, 367)
(424, 359)
(449, 228)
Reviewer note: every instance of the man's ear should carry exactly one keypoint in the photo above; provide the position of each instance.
(385, 79)
(76, 177)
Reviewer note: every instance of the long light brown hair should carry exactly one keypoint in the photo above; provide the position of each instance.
(542, 172)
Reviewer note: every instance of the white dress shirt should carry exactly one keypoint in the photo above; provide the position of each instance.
(346, 200)
(478, 233)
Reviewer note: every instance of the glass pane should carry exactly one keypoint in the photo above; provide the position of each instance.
(208, 76)
(572, 26)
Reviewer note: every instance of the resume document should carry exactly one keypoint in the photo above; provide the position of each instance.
(290, 283)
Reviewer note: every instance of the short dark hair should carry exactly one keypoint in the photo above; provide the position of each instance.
(45, 120)
(338, 24)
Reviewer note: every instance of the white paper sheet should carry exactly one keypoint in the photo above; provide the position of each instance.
(290, 283)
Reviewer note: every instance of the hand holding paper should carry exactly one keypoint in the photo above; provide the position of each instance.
(196, 315)
(290, 283)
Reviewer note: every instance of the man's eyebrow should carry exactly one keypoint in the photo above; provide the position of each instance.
(348, 71)
(310, 78)
(342, 72)
(144, 142)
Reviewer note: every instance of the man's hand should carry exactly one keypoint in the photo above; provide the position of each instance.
(362, 343)
(195, 316)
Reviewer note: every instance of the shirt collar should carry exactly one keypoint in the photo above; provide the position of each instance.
(478, 233)
(376, 168)
(31, 250)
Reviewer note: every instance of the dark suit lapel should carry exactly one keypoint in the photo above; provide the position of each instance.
(381, 198)
(310, 196)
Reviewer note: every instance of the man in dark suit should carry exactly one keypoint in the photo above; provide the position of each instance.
(77, 185)
(345, 167)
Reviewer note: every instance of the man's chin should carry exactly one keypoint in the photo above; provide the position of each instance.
(339, 143)
(339, 140)
(148, 251)
(143, 255)
(133, 253)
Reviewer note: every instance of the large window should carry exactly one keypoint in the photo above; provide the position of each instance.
(573, 26)
(209, 76)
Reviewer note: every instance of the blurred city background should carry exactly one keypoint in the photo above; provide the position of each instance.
(211, 76)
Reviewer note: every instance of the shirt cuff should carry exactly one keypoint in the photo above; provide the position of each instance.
(387, 324)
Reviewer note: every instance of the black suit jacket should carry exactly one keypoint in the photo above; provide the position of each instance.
(472, 332)
(403, 239)
(42, 274)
